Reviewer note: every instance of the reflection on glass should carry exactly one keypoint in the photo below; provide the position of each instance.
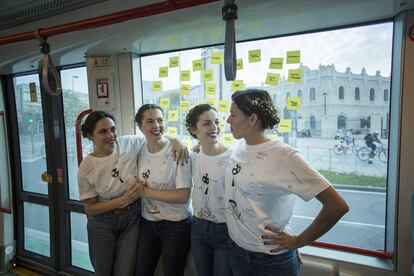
(75, 100)
(79, 241)
(36, 229)
(326, 113)
(31, 132)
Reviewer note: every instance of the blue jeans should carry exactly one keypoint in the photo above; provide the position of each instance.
(209, 247)
(247, 263)
(113, 242)
(169, 238)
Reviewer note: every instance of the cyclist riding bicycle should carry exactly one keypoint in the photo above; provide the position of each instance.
(370, 140)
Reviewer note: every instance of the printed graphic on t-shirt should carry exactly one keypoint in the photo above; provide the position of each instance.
(243, 215)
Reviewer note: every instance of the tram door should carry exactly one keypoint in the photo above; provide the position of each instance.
(51, 226)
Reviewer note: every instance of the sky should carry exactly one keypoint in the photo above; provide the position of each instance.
(358, 47)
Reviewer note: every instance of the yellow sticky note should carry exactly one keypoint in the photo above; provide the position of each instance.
(227, 139)
(210, 89)
(223, 106)
(207, 75)
(172, 131)
(285, 125)
(272, 79)
(254, 56)
(211, 102)
(163, 72)
(187, 143)
(294, 103)
(185, 89)
(292, 57)
(156, 86)
(185, 75)
(236, 85)
(165, 102)
(173, 115)
(197, 65)
(216, 58)
(276, 63)
(174, 62)
(295, 75)
(239, 63)
(222, 124)
(272, 136)
(184, 106)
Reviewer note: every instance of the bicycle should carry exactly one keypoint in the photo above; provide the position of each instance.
(365, 153)
(342, 148)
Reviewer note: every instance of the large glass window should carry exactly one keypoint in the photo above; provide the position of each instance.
(182, 79)
(75, 100)
(31, 132)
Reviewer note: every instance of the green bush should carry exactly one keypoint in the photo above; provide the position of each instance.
(354, 179)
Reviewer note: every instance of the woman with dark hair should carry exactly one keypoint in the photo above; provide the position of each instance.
(261, 180)
(110, 192)
(209, 234)
(165, 225)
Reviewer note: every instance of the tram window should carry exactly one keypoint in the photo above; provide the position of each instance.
(321, 62)
(75, 100)
(31, 132)
(79, 241)
(36, 231)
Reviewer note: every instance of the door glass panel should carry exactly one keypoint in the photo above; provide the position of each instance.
(31, 132)
(75, 100)
(79, 241)
(36, 229)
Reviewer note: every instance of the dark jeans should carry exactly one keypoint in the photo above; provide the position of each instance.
(247, 263)
(169, 238)
(113, 242)
(209, 247)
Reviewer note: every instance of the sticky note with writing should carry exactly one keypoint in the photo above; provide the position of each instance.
(285, 126)
(272, 79)
(174, 62)
(292, 57)
(197, 65)
(207, 75)
(276, 63)
(216, 58)
(295, 75)
(156, 86)
(185, 75)
(254, 56)
(293, 103)
(210, 89)
(163, 72)
(185, 89)
(165, 102)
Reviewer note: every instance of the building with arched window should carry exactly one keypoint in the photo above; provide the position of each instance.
(327, 108)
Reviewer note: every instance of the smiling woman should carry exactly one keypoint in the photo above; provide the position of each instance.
(165, 224)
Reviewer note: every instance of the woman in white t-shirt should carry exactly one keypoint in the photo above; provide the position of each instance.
(261, 180)
(165, 225)
(209, 236)
(109, 191)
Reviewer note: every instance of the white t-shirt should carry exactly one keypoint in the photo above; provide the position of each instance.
(208, 178)
(108, 177)
(162, 173)
(261, 183)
